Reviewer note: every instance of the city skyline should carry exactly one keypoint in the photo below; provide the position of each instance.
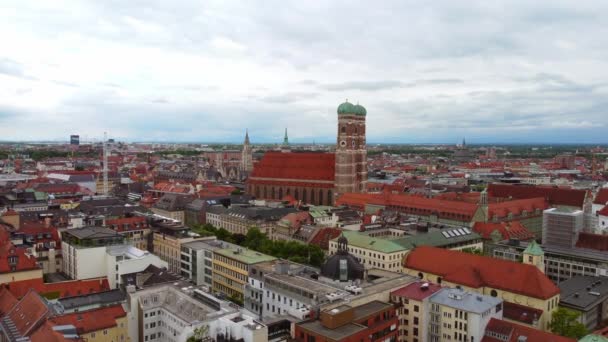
(505, 72)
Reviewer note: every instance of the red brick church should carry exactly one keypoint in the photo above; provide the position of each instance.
(317, 177)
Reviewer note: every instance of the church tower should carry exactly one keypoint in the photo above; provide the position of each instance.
(246, 155)
(351, 153)
(534, 255)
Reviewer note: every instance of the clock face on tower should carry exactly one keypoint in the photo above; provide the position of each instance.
(343, 143)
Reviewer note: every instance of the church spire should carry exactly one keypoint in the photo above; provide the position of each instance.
(286, 139)
(247, 136)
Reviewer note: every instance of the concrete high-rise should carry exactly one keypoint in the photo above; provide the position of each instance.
(561, 226)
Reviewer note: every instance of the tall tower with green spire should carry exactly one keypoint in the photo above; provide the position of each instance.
(286, 139)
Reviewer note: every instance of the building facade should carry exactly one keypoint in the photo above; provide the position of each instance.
(562, 226)
(526, 287)
(315, 177)
(412, 302)
(459, 315)
(373, 321)
(231, 270)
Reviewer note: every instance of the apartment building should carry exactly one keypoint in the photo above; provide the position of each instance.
(387, 254)
(84, 251)
(525, 289)
(460, 315)
(197, 260)
(167, 244)
(231, 269)
(373, 321)
(412, 302)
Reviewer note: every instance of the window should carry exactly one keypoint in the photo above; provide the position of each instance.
(493, 293)
(416, 308)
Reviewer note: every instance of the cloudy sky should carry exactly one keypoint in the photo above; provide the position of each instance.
(427, 71)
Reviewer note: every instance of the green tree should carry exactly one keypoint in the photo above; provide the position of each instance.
(471, 250)
(254, 238)
(564, 322)
(200, 333)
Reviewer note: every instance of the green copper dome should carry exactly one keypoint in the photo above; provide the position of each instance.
(346, 108)
(360, 110)
(349, 108)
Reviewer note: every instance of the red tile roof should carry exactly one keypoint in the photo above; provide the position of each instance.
(46, 333)
(92, 320)
(28, 313)
(132, 223)
(297, 219)
(592, 241)
(323, 236)
(10, 212)
(455, 210)
(513, 331)
(508, 230)
(553, 195)
(479, 271)
(415, 291)
(521, 313)
(7, 301)
(603, 211)
(601, 197)
(516, 207)
(62, 289)
(300, 166)
(8, 252)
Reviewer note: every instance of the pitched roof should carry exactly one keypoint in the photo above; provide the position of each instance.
(376, 244)
(7, 301)
(60, 289)
(416, 291)
(455, 210)
(92, 320)
(48, 332)
(521, 313)
(26, 315)
(553, 195)
(601, 197)
(295, 165)
(511, 332)
(13, 258)
(507, 230)
(592, 241)
(534, 249)
(323, 236)
(516, 207)
(603, 211)
(477, 271)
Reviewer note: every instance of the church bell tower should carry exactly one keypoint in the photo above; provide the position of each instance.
(351, 153)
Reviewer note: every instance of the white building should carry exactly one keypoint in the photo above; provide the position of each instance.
(125, 259)
(95, 252)
(84, 251)
(460, 315)
(173, 314)
(197, 260)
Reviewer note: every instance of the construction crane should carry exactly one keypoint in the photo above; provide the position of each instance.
(105, 164)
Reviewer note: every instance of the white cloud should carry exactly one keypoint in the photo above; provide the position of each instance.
(191, 70)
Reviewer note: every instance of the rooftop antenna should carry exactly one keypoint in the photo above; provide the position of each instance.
(105, 163)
